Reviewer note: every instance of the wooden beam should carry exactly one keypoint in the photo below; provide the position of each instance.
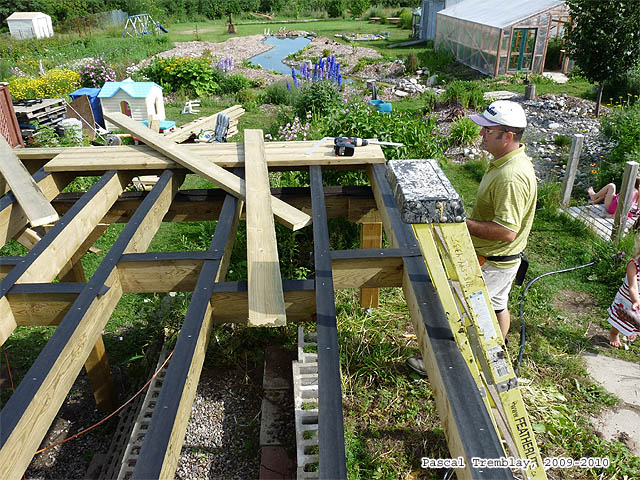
(97, 364)
(12, 217)
(288, 215)
(28, 238)
(353, 203)
(7, 320)
(333, 463)
(370, 237)
(29, 412)
(228, 155)
(266, 301)
(64, 239)
(161, 447)
(33, 202)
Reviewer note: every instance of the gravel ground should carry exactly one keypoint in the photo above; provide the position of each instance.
(222, 439)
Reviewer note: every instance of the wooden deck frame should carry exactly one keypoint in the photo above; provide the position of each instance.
(32, 408)
(81, 309)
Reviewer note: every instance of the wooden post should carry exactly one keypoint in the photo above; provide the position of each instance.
(572, 167)
(530, 91)
(624, 201)
(370, 237)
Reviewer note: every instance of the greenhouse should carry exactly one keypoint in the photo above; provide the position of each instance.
(497, 37)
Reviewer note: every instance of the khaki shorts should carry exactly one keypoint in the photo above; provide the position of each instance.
(499, 281)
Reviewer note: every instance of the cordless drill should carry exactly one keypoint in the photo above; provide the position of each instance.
(345, 146)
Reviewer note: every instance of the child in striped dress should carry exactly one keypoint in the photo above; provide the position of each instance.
(628, 299)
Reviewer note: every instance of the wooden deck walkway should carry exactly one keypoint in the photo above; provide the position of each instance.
(597, 219)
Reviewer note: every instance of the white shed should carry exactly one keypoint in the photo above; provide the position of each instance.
(138, 100)
(30, 25)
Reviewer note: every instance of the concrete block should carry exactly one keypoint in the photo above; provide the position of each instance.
(423, 192)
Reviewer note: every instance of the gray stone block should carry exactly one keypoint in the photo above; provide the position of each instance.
(423, 192)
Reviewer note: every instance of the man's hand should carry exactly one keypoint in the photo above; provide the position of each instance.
(490, 231)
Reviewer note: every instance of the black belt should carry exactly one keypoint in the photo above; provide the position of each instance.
(505, 258)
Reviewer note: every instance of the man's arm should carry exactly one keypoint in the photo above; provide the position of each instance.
(490, 231)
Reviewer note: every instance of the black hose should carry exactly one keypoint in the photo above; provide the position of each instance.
(521, 317)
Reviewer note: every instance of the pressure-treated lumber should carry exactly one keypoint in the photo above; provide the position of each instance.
(66, 238)
(29, 412)
(266, 301)
(33, 202)
(353, 203)
(142, 157)
(12, 217)
(161, 448)
(288, 215)
(370, 237)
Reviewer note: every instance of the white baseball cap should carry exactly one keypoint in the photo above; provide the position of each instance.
(502, 112)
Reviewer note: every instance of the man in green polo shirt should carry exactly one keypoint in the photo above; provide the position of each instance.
(503, 214)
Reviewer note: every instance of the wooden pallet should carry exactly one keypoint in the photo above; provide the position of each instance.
(33, 109)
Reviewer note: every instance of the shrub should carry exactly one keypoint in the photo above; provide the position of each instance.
(233, 83)
(467, 94)
(95, 72)
(623, 89)
(418, 133)
(430, 99)
(278, 94)
(562, 140)
(248, 99)
(54, 83)
(358, 7)
(463, 131)
(191, 74)
(374, 12)
(623, 127)
(335, 8)
(412, 63)
(318, 97)
(406, 20)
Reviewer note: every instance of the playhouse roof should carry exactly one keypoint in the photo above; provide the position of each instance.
(26, 15)
(498, 13)
(131, 88)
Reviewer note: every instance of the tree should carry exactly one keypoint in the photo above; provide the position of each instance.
(604, 39)
(358, 7)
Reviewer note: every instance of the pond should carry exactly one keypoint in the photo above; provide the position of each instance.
(283, 47)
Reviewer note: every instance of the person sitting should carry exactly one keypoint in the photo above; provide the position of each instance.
(609, 197)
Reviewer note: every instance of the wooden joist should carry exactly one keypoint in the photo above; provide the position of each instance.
(33, 202)
(228, 155)
(266, 301)
(161, 448)
(288, 215)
